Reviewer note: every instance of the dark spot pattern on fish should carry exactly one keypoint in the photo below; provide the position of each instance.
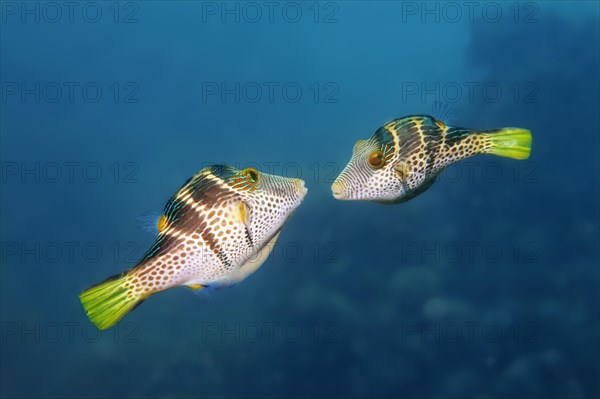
(163, 244)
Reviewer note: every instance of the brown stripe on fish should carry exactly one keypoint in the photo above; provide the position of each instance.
(432, 138)
(411, 138)
(417, 147)
(211, 190)
(210, 240)
(187, 208)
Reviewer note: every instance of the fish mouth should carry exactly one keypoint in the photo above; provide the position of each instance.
(301, 188)
(337, 189)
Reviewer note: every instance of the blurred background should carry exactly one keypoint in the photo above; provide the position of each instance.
(484, 286)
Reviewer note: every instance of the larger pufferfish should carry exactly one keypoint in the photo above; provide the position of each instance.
(404, 157)
(216, 230)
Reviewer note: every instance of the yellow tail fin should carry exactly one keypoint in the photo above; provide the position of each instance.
(106, 303)
(510, 142)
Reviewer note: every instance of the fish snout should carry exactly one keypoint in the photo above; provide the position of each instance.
(299, 184)
(338, 191)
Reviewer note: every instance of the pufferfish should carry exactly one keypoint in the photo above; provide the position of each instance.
(216, 230)
(403, 157)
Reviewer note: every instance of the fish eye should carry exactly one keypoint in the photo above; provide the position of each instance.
(376, 159)
(251, 173)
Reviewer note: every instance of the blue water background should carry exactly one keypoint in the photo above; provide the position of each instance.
(484, 286)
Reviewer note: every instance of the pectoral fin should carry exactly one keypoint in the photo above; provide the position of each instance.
(402, 171)
(245, 216)
(404, 175)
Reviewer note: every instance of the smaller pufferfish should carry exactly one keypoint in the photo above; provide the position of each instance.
(216, 230)
(404, 157)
